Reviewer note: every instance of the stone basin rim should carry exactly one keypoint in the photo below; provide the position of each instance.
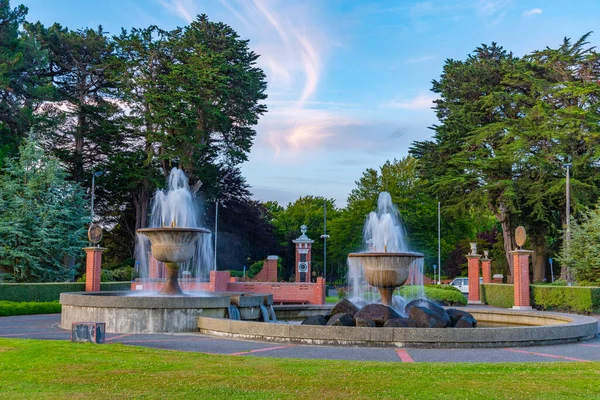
(173, 229)
(384, 254)
(565, 328)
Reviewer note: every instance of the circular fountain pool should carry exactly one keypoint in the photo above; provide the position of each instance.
(123, 312)
(518, 328)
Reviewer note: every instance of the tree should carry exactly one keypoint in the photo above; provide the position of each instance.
(307, 210)
(195, 94)
(506, 127)
(22, 84)
(583, 252)
(418, 212)
(42, 218)
(82, 67)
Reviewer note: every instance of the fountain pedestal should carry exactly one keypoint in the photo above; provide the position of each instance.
(171, 287)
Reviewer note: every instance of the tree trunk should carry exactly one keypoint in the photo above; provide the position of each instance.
(504, 217)
(539, 258)
(140, 202)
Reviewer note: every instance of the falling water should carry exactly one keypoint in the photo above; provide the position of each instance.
(383, 232)
(177, 204)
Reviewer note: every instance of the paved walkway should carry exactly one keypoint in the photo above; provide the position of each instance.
(46, 327)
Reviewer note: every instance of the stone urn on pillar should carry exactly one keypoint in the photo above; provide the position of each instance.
(173, 245)
(473, 274)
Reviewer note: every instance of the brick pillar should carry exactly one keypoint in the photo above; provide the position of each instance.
(320, 292)
(272, 271)
(473, 264)
(219, 281)
(486, 270)
(93, 265)
(521, 278)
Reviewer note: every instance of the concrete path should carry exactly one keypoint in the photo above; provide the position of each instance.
(46, 327)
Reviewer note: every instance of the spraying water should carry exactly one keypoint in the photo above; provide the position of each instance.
(383, 233)
(179, 206)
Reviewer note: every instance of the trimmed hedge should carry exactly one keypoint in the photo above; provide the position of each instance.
(578, 299)
(8, 308)
(50, 291)
(446, 295)
(498, 295)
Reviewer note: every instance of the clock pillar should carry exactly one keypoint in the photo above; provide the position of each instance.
(303, 257)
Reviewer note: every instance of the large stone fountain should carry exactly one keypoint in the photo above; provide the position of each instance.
(170, 310)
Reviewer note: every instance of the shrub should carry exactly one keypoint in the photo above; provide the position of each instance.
(579, 299)
(445, 296)
(8, 308)
(498, 295)
(50, 291)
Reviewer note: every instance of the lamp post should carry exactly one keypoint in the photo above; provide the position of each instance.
(439, 245)
(568, 217)
(94, 175)
(325, 236)
(216, 230)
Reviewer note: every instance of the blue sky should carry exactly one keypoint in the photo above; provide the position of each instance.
(348, 80)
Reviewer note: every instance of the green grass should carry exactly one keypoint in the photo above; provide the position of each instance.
(28, 308)
(332, 299)
(34, 369)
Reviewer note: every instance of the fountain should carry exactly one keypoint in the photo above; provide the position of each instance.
(170, 310)
(172, 246)
(387, 263)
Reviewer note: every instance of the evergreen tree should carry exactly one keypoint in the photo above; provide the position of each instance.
(22, 83)
(583, 252)
(507, 126)
(42, 218)
(82, 66)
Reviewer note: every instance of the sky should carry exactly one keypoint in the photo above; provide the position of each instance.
(348, 80)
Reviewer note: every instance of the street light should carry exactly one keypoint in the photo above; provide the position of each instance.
(568, 217)
(325, 236)
(94, 175)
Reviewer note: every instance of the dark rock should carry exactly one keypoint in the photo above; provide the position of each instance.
(426, 318)
(400, 323)
(341, 319)
(315, 320)
(455, 315)
(365, 323)
(466, 321)
(431, 306)
(378, 313)
(344, 306)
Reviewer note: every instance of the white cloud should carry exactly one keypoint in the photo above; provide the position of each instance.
(419, 102)
(532, 12)
(420, 59)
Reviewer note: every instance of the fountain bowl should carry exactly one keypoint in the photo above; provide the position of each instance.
(173, 245)
(386, 270)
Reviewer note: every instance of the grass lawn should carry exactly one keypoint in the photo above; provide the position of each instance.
(332, 299)
(28, 307)
(38, 369)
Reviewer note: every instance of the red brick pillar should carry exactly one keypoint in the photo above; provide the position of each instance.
(486, 270)
(473, 264)
(320, 292)
(521, 278)
(93, 265)
(219, 281)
